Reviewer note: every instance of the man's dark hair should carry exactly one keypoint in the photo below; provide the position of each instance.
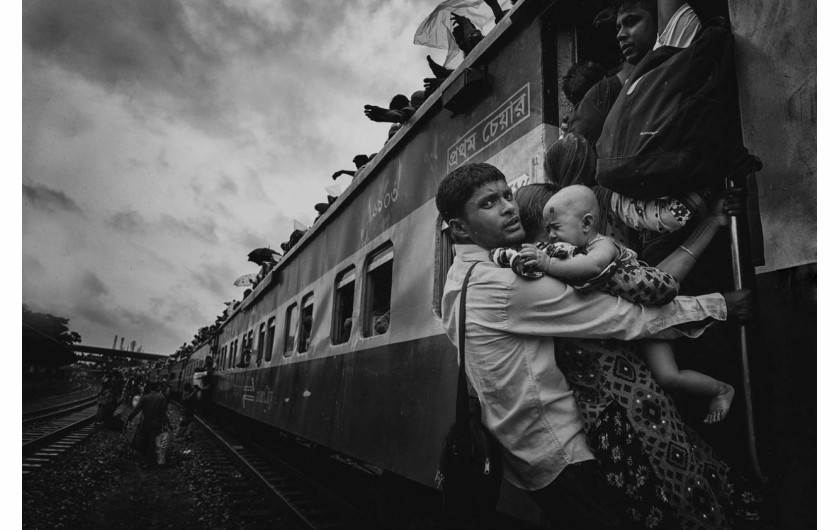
(153, 385)
(580, 78)
(458, 186)
(188, 387)
(622, 6)
(360, 160)
(398, 102)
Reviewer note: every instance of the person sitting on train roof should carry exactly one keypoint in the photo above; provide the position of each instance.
(466, 36)
(636, 25)
(580, 78)
(265, 270)
(359, 161)
(430, 84)
(527, 404)
(293, 239)
(395, 113)
(322, 207)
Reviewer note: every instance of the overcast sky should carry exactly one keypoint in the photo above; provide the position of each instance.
(163, 140)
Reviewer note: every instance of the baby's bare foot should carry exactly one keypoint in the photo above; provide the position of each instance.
(719, 406)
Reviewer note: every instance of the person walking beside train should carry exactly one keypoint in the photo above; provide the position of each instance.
(190, 404)
(527, 403)
(153, 407)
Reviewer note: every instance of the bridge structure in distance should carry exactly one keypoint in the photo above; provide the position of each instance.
(96, 353)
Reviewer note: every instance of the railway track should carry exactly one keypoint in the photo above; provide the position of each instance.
(48, 436)
(54, 410)
(33, 407)
(293, 498)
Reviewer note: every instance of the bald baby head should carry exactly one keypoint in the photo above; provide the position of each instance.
(571, 215)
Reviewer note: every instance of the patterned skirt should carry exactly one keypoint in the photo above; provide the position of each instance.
(666, 476)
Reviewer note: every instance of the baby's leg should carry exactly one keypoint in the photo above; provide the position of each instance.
(659, 357)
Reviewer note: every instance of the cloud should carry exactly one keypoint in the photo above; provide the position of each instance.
(96, 312)
(175, 307)
(143, 42)
(47, 199)
(33, 266)
(214, 277)
(227, 185)
(204, 229)
(90, 283)
(193, 132)
(127, 222)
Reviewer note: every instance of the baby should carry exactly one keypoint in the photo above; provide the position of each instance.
(571, 217)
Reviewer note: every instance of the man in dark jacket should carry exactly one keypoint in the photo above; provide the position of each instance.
(153, 407)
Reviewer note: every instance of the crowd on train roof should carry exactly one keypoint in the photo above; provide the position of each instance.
(459, 21)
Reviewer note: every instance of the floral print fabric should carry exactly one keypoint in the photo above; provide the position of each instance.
(667, 476)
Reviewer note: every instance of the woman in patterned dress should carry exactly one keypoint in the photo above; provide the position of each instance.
(665, 476)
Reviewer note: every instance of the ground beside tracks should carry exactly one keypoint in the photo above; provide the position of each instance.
(99, 484)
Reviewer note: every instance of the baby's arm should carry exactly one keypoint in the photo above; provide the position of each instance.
(578, 267)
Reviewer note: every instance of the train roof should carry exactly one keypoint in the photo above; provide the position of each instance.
(520, 12)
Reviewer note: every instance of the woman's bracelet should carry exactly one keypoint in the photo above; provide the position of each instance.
(690, 253)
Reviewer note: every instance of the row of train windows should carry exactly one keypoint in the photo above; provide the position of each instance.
(376, 315)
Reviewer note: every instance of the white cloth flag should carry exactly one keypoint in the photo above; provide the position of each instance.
(436, 30)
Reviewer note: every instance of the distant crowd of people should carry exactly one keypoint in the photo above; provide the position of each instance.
(133, 401)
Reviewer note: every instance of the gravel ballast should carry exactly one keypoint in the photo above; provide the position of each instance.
(99, 484)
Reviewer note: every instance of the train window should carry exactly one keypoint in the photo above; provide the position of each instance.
(342, 324)
(376, 315)
(443, 260)
(233, 349)
(246, 351)
(308, 306)
(291, 330)
(261, 343)
(224, 356)
(269, 340)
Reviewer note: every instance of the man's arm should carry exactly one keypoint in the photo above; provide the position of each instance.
(375, 113)
(548, 307)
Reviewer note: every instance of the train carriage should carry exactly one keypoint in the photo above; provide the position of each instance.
(342, 344)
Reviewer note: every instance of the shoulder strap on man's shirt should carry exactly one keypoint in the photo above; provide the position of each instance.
(462, 403)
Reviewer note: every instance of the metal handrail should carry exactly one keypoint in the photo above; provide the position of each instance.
(737, 276)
